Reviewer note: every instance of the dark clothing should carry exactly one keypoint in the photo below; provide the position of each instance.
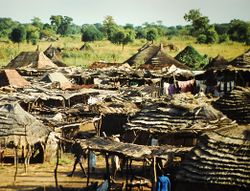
(163, 183)
(79, 155)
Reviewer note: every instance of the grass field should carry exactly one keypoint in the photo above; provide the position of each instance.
(104, 50)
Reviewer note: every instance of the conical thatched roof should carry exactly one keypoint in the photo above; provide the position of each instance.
(54, 54)
(183, 114)
(12, 78)
(192, 58)
(217, 63)
(236, 105)
(34, 59)
(20, 127)
(221, 157)
(152, 57)
(57, 77)
(242, 61)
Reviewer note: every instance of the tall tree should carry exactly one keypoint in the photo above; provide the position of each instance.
(91, 33)
(109, 26)
(199, 23)
(56, 21)
(239, 30)
(123, 36)
(6, 26)
(32, 34)
(63, 29)
(36, 21)
(152, 34)
(18, 35)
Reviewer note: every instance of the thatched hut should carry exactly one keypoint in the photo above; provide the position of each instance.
(21, 131)
(220, 161)
(54, 53)
(219, 62)
(236, 105)
(175, 122)
(192, 58)
(152, 57)
(32, 59)
(58, 79)
(224, 76)
(113, 113)
(12, 78)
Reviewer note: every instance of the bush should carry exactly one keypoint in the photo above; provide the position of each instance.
(212, 36)
(202, 39)
(223, 38)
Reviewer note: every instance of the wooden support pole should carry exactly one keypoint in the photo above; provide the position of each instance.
(16, 163)
(88, 167)
(57, 163)
(154, 180)
(127, 174)
(107, 169)
(131, 172)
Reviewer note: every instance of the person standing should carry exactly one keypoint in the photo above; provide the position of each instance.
(79, 155)
(163, 183)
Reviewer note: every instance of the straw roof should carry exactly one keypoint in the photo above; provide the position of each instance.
(33, 59)
(96, 65)
(221, 157)
(54, 54)
(20, 127)
(115, 105)
(241, 62)
(130, 150)
(152, 57)
(185, 113)
(236, 105)
(57, 77)
(12, 78)
(217, 63)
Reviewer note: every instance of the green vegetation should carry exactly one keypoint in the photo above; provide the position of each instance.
(192, 58)
(106, 38)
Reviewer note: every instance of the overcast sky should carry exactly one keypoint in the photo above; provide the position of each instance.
(170, 12)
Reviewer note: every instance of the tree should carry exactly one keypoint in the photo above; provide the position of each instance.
(109, 26)
(152, 34)
(56, 21)
(32, 34)
(18, 35)
(238, 30)
(36, 21)
(199, 23)
(6, 26)
(212, 36)
(202, 39)
(91, 33)
(64, 27)
(122, 36)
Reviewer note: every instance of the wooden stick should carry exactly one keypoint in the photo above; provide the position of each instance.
(57, 163)
(16, 163)
(107, 169)
(88, 167)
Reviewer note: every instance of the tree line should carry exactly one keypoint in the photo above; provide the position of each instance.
(199, 27)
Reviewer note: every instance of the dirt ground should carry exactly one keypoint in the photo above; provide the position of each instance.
(41, 176)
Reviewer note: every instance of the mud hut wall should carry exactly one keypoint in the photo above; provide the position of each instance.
(113, 124)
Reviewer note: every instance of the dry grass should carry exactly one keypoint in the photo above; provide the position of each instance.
(104, 50)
